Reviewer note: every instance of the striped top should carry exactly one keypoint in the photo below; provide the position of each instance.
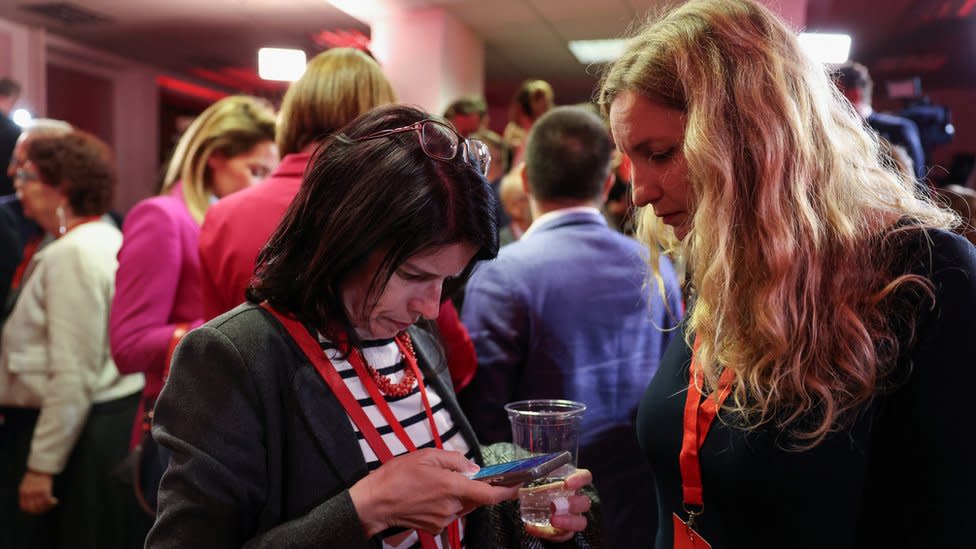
(384, 356)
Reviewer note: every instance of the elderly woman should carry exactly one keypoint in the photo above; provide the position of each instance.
(65, 407)
(318, 415)
(832, 312)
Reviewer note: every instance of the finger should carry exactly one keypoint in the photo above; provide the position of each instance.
(32, 505)
(548, 533)
(571, 505)
(568, 523)
(481, 493)
(454, 461)
(578, 479)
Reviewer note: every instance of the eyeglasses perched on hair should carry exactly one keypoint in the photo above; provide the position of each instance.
(441, 142)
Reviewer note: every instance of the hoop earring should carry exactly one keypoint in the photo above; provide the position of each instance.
(62, 224)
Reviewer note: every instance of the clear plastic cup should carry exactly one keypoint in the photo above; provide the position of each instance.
(541, 427)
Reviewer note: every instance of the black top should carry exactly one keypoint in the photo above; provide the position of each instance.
(903, 475)
(9, 132)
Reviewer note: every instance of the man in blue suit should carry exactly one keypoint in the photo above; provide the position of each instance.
(564, 313)
(854, 81)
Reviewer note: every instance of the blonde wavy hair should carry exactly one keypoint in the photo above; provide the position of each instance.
(791, 254)
(231, 127)
(338, 85)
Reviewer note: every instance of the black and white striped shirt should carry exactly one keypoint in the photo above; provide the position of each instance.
(384, 356)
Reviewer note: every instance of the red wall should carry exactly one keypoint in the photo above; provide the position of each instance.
(81, 99)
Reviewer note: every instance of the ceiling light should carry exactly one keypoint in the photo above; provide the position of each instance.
(281, 64)
(825, 47)
(21, 117)
(597, 51)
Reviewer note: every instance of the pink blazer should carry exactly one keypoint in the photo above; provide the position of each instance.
(157, 286)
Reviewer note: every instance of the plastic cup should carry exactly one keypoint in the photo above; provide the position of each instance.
(543, 427)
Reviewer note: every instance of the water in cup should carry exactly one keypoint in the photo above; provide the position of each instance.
(535, 498)
(539, 427)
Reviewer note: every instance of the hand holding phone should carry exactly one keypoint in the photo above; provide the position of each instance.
(521, 471)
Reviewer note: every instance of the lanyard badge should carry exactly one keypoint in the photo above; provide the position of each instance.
(698, 417)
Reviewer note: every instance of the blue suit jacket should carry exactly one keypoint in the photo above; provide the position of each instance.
(564, 313)
(901, 131)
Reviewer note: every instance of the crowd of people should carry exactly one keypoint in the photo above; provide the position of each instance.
(309, 336)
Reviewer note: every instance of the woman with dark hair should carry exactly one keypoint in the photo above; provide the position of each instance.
(64, 408)
(318, 414)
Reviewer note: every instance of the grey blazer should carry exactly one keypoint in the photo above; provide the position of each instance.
(263, 454)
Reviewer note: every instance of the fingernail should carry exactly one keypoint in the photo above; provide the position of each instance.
(559, 506)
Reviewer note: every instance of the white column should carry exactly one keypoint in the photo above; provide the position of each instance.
(429, 57)
(23, 58)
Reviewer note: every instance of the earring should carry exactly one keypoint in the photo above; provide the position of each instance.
(62, 228)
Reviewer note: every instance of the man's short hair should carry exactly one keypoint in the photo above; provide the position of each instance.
(9, 87)
(466, 105)
(853, 76)
(567, 155)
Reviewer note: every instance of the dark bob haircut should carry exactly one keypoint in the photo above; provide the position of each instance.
(80, 165)
(359, 197)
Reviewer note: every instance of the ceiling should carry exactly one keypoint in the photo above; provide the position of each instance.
(216, 40)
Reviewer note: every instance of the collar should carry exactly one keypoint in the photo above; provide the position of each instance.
(292, 165)
(556, 218)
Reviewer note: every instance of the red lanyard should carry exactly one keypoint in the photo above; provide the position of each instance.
(325, 368)
(698, 418)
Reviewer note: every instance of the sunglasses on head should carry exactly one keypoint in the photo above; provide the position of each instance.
(441, 142)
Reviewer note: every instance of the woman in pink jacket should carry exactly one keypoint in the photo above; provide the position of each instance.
(227, 148)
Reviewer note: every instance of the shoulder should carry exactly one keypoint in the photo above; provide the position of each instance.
(241, 210)
(8, 128)
(244, 322)
(88, 251)
(948, 262)
(891, 121)
(261, 342)
(158, 209)
(89, 239)
(935, 252)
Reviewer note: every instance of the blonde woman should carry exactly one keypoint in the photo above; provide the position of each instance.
(228, 147)
(832, 312)
(338, 85)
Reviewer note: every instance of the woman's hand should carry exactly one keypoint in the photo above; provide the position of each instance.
(36, 493)
(425, 490)
(567, 518)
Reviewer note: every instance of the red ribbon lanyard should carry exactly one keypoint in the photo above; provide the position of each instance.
(356, 360)
(325, 368)
(698, 418)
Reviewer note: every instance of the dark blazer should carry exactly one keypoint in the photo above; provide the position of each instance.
(9, 132)
(263, 454)
(901, 131)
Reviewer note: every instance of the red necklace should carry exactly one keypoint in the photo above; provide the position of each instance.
(409, 380)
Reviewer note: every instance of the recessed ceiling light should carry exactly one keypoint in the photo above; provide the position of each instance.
(281, 64)
(597, 51)
(21, 117)
(826, 47)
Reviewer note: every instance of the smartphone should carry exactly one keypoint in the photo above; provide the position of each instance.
(521, 471)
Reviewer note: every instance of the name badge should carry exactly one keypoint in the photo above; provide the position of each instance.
(685, 537)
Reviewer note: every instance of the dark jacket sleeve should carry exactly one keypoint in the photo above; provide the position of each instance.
(928, 414)
(217, 416)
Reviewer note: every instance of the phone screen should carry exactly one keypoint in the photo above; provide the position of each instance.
(522, 470)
